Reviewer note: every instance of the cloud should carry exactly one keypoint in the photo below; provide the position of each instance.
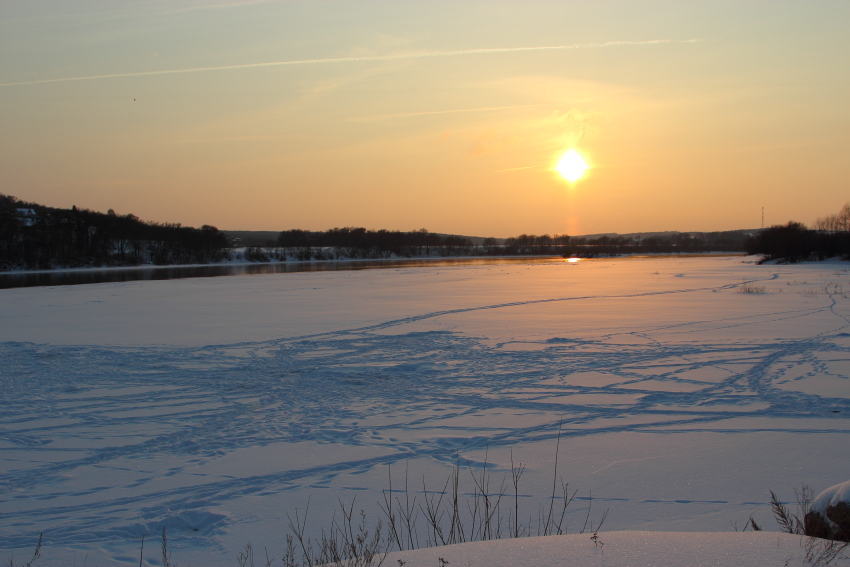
(576, 124)
(492, 142)
(426, 55)
(255, 138)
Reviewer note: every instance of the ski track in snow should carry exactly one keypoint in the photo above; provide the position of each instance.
(113, 406)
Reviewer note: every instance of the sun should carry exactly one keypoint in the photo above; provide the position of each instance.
(571, 166)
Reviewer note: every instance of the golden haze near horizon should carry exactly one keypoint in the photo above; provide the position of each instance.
(457, 117)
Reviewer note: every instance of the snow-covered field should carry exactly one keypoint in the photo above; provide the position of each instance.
(215, 406)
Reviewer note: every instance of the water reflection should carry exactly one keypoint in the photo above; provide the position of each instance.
(93, 276)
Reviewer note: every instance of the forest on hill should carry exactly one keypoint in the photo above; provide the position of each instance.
(34, 236)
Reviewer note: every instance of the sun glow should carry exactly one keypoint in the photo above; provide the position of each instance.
(571, 166)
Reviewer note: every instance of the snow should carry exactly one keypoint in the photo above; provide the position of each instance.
(214, 406)
(831, 497)
(620, 549)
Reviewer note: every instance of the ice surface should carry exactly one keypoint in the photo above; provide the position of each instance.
(215, 406)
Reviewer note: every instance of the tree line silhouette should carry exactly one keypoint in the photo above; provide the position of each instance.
(588, 247)
(35, 236)
(357, 243)
(793, 241)
(350, 242)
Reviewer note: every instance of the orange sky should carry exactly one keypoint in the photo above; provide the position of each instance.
(440, 115)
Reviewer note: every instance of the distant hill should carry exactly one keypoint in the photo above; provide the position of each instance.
(742, 232)
(269, 238)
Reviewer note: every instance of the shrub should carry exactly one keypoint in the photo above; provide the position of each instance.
(750, 287)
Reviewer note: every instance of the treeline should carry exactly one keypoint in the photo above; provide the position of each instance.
(585, 247)
(341, 243)
(351, 242)
(37, 237)
(794, 241)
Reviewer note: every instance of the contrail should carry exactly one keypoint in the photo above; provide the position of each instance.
(430, 112)
(485, 51)
(517, 168)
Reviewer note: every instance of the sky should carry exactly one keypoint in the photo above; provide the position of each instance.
(445, 115)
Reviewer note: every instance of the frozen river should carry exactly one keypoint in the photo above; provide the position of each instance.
(214, 406)
(85, 276)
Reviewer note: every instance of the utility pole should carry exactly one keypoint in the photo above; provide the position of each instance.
(762, 217)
